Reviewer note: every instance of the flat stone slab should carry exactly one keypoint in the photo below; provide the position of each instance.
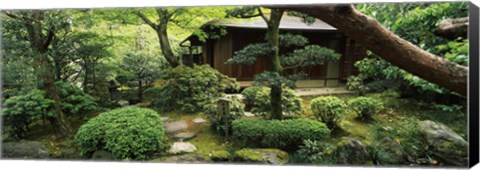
(183, 136)
(171, 127)
(182, 147)
(164, 119)
(199, 120)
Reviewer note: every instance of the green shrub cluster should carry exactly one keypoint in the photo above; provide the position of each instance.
(282, 134)
(328, 109)
(74, 100)
(365, 107)
(128, 133)
(20, 111)
(315, 152)
(188, 89)
(258, 98)
(220, 122)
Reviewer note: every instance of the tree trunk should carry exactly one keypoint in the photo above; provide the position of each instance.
(163, 37)
(39, 44)
(140, 90)
(452, 28)
(275, 65)
(86, 78)
(391, 47)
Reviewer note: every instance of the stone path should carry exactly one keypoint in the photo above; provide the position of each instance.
(310, 92)
(172, 127)
(182, 147)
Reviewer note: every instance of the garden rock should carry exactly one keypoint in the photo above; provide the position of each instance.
(248, 114)
(199, 120)
(171, 127)
(182, 147)
(265, 156)
(220, 156)
(352, 152)
(25, 150)
(184, 136)
(123, 103)
(190, 158)
(164, 119)
(446, 144)
(389, 152)
(102, 155)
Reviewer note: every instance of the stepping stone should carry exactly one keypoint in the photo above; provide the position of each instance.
(182, 147)
(199, 120)
(164, 119)
(248, 114)
(171, 127)
(184, 136)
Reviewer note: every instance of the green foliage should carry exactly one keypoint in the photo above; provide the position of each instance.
(310, 55)
(220, 122)
(356, 84)
(291, 104)
(189, 89)
(20, 111)
(250, 93)
(416, 23)
(406, 132)
(128, 133)
(328, 109)
(74, 100)
(365, 107)
(248, 55)
(315, 152)
(283, 134)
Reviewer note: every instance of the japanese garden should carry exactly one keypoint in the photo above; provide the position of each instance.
(351, 84)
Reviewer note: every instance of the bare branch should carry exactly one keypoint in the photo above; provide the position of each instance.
(262, 15)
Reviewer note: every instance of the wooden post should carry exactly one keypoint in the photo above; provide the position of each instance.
(224, 110)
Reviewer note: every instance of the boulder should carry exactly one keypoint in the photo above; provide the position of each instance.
(389, 152)
(102, 155)
(122, 103)
(352, 152)
(446, 145)
(264, 156)
(183, 136)
(220, 156)
(172, 127)
(182, 147)
(24, 150)
(190, 158)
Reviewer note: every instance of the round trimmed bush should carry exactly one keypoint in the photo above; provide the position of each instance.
(328, 109)
(365, 107)
(128, 133)
(282, 134)
(250, 93)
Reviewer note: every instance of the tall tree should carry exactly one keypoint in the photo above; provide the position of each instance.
(41, 28)
(308, 56)
(394, 49)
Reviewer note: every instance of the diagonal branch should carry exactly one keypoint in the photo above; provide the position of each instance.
(262, 15)
(146, 20)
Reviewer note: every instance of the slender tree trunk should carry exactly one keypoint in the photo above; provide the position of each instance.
(86, 78)
(140, 90)
(391, 47)
(275, 65)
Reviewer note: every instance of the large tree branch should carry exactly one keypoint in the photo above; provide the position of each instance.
(146, 20)
(453, 28)
(390, 47)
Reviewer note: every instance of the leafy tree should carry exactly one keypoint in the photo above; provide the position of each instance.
(41, 27)
(309, 55)
(144, 68)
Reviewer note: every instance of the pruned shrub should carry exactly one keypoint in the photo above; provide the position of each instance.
(20, 111)
(128, 133)
(328, 109)
(365, 107)
(258, 97)
(74, 100)
(282, 134)
(188, 89)
(220, 122)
